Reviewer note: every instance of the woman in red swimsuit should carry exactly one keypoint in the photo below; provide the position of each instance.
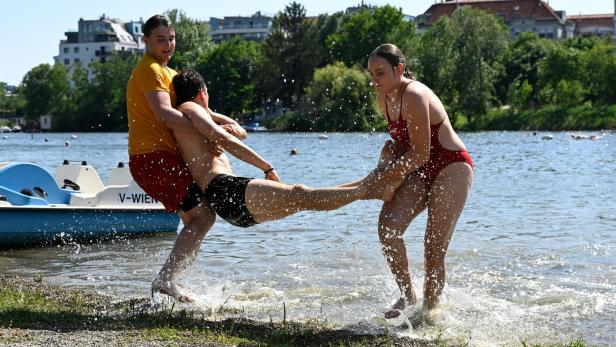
(429, 168)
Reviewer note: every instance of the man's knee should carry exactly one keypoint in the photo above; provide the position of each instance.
(300, 190)
(299, 195)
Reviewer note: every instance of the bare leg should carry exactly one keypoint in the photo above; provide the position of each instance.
(446, 202)
(396, 215)
(197, 222)
(268, 200)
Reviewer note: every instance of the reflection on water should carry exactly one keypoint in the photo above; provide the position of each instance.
(533, 257)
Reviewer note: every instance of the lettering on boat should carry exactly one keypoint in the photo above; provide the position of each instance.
(137, 198)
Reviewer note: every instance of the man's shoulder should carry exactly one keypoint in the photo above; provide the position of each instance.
(191, 108)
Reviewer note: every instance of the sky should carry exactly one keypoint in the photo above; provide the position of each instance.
(33, 29)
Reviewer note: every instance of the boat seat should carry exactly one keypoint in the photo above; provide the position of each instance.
(30, 184)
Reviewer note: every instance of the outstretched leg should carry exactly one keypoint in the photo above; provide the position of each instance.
(268, 200)
(446, 202)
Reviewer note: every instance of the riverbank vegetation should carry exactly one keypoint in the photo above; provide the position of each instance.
(309, 75)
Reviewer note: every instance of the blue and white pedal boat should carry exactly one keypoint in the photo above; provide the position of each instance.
(38, 208)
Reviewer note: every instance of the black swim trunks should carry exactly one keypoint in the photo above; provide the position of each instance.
(226, 194)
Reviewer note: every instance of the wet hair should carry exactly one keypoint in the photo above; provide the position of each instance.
(187, 85)
(154, 22)
(393, 55)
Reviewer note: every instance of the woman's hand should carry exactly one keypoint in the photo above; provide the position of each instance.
(272, 176)
(235, 130)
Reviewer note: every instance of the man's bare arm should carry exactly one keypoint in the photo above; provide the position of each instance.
(204, 123)
(160, 102)
(229, 124)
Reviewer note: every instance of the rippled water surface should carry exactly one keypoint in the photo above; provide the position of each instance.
(533, 257)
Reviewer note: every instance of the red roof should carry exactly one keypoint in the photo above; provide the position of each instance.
(537, 9)
(592, 20)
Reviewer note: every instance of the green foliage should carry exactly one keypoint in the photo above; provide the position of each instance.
(338, 99)
(466, 59)
(553, 118)
(192, 39)
(283, 71)
(46, 89)
(363, 31)
(11, 104)
(519, 94)
(521, 63)
(229, 71)
(462, 59)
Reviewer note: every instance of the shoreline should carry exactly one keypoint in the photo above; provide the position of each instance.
(35, 313)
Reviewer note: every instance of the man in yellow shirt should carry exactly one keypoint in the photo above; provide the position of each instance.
(156, 156)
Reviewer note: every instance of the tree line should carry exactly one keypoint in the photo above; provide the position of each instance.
(310, 71)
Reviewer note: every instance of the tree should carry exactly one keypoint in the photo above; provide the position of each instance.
(471, 43)
(283, 74)
(338, 99)
(104, 104)
(522, 64)
(229, 71)
(45, 89)
(363, 31)
(192, 39)
(599, 72)
(437, 60)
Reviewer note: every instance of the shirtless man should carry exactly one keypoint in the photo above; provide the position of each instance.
(248, 201)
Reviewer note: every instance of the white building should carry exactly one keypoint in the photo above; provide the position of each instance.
(97, 40)
(253, 28)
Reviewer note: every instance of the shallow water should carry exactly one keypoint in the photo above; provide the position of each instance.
(533, 257)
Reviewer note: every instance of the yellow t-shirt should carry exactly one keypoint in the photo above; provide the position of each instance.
(146, 133)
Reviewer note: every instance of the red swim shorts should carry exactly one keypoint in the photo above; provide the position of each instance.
(165, 177)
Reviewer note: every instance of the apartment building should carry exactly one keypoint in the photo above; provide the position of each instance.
(253, 28)
(97, 40)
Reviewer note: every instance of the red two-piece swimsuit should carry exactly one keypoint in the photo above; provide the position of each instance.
(440, 157)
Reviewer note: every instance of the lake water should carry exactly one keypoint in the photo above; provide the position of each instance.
(533, 257)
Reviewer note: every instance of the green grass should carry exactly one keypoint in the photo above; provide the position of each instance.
(28, 305)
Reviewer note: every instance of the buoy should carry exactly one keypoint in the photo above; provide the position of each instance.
(66, 143)
(293, 151)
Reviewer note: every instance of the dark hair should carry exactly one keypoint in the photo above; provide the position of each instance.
(154, 22)
(187, 85)
(393, 55)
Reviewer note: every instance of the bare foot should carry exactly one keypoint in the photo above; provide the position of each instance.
(377, 188)
(170, 288)
(396, 309)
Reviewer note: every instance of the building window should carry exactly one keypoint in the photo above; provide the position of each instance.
(67, 61)
(76, 50)
(77, 60)
(65, 49)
